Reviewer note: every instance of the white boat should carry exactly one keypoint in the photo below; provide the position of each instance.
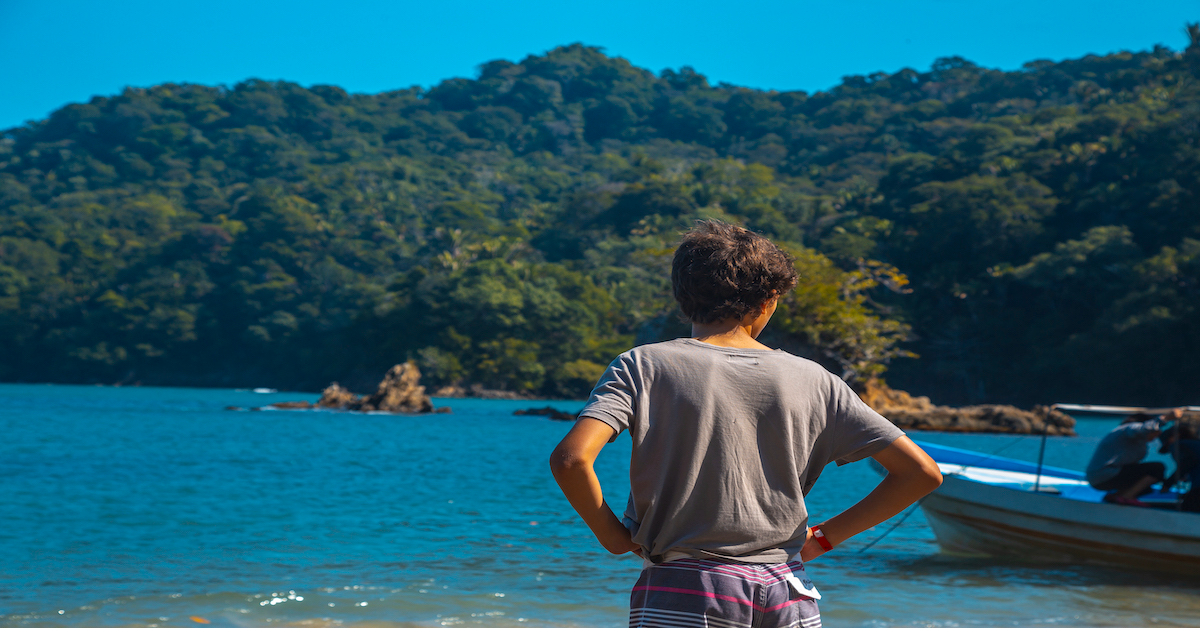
(1085, 408)
(994, 506)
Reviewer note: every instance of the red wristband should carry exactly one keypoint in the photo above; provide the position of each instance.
(821, 540)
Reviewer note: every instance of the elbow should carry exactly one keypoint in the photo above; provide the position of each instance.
(932, 477)
(929, 474)
(935, 481)
(913, 469)
(564, 461)
(557, 463)
(924, 476)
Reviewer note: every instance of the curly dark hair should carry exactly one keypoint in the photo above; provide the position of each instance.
(722, 271)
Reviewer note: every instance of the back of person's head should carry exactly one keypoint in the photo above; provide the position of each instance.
(722, 272)
(1140, 417)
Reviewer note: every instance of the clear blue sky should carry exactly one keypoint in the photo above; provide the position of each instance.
(53, 53)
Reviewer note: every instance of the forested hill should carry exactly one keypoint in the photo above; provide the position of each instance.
(515, 230)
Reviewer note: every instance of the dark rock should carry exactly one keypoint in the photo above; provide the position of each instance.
(291, 405)
(987, 418)
(552, 413)
(478, 391)
(450, 391)
(918, 413)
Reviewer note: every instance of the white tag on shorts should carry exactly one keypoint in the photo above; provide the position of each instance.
(804, 586)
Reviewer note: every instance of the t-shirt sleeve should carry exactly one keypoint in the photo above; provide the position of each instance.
(612, 400)
(858, 431)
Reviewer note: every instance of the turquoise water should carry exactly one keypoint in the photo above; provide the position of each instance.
(150, 506)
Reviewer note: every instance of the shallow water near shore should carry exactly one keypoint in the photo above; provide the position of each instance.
(156, 508)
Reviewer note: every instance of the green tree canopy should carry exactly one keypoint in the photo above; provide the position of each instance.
(515, 229)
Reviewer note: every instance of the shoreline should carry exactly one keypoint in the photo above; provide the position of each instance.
(904, 421)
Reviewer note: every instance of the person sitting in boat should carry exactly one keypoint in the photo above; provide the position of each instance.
(1117, 465)
(1180, 441)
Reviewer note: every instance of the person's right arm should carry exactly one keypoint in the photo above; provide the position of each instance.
(571, 463)
(912, 474)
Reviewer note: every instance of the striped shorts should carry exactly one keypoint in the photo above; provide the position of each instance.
(692, 592)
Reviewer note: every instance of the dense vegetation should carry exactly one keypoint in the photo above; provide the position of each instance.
(1031, 235)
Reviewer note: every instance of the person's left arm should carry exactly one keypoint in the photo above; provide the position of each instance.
(912, 474)
(572, 466)
(857, 432)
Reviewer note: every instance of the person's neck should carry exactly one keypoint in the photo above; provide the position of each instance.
(732, 334)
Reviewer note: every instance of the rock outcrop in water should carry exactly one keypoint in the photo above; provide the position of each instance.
(477, 391)
(554, 414)
(400, 392)
(918, 413)
(334, 396)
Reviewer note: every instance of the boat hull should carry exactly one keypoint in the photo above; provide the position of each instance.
(972, 518)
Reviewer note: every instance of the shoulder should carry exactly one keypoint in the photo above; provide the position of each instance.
(666, 347)
(660, 351)
(687, 353)
(810, 373)
(644, 357)
(689, 346)
(805, 365)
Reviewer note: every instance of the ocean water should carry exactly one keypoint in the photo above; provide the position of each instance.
(157, 508)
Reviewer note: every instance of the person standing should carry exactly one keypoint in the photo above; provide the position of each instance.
(729, 436)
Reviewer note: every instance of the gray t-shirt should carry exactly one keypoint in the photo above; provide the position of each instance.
(726, 444)
(1127, 444)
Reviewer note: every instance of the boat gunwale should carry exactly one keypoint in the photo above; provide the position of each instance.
(1109, 552)
(1085, 512)
(1049, 471)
